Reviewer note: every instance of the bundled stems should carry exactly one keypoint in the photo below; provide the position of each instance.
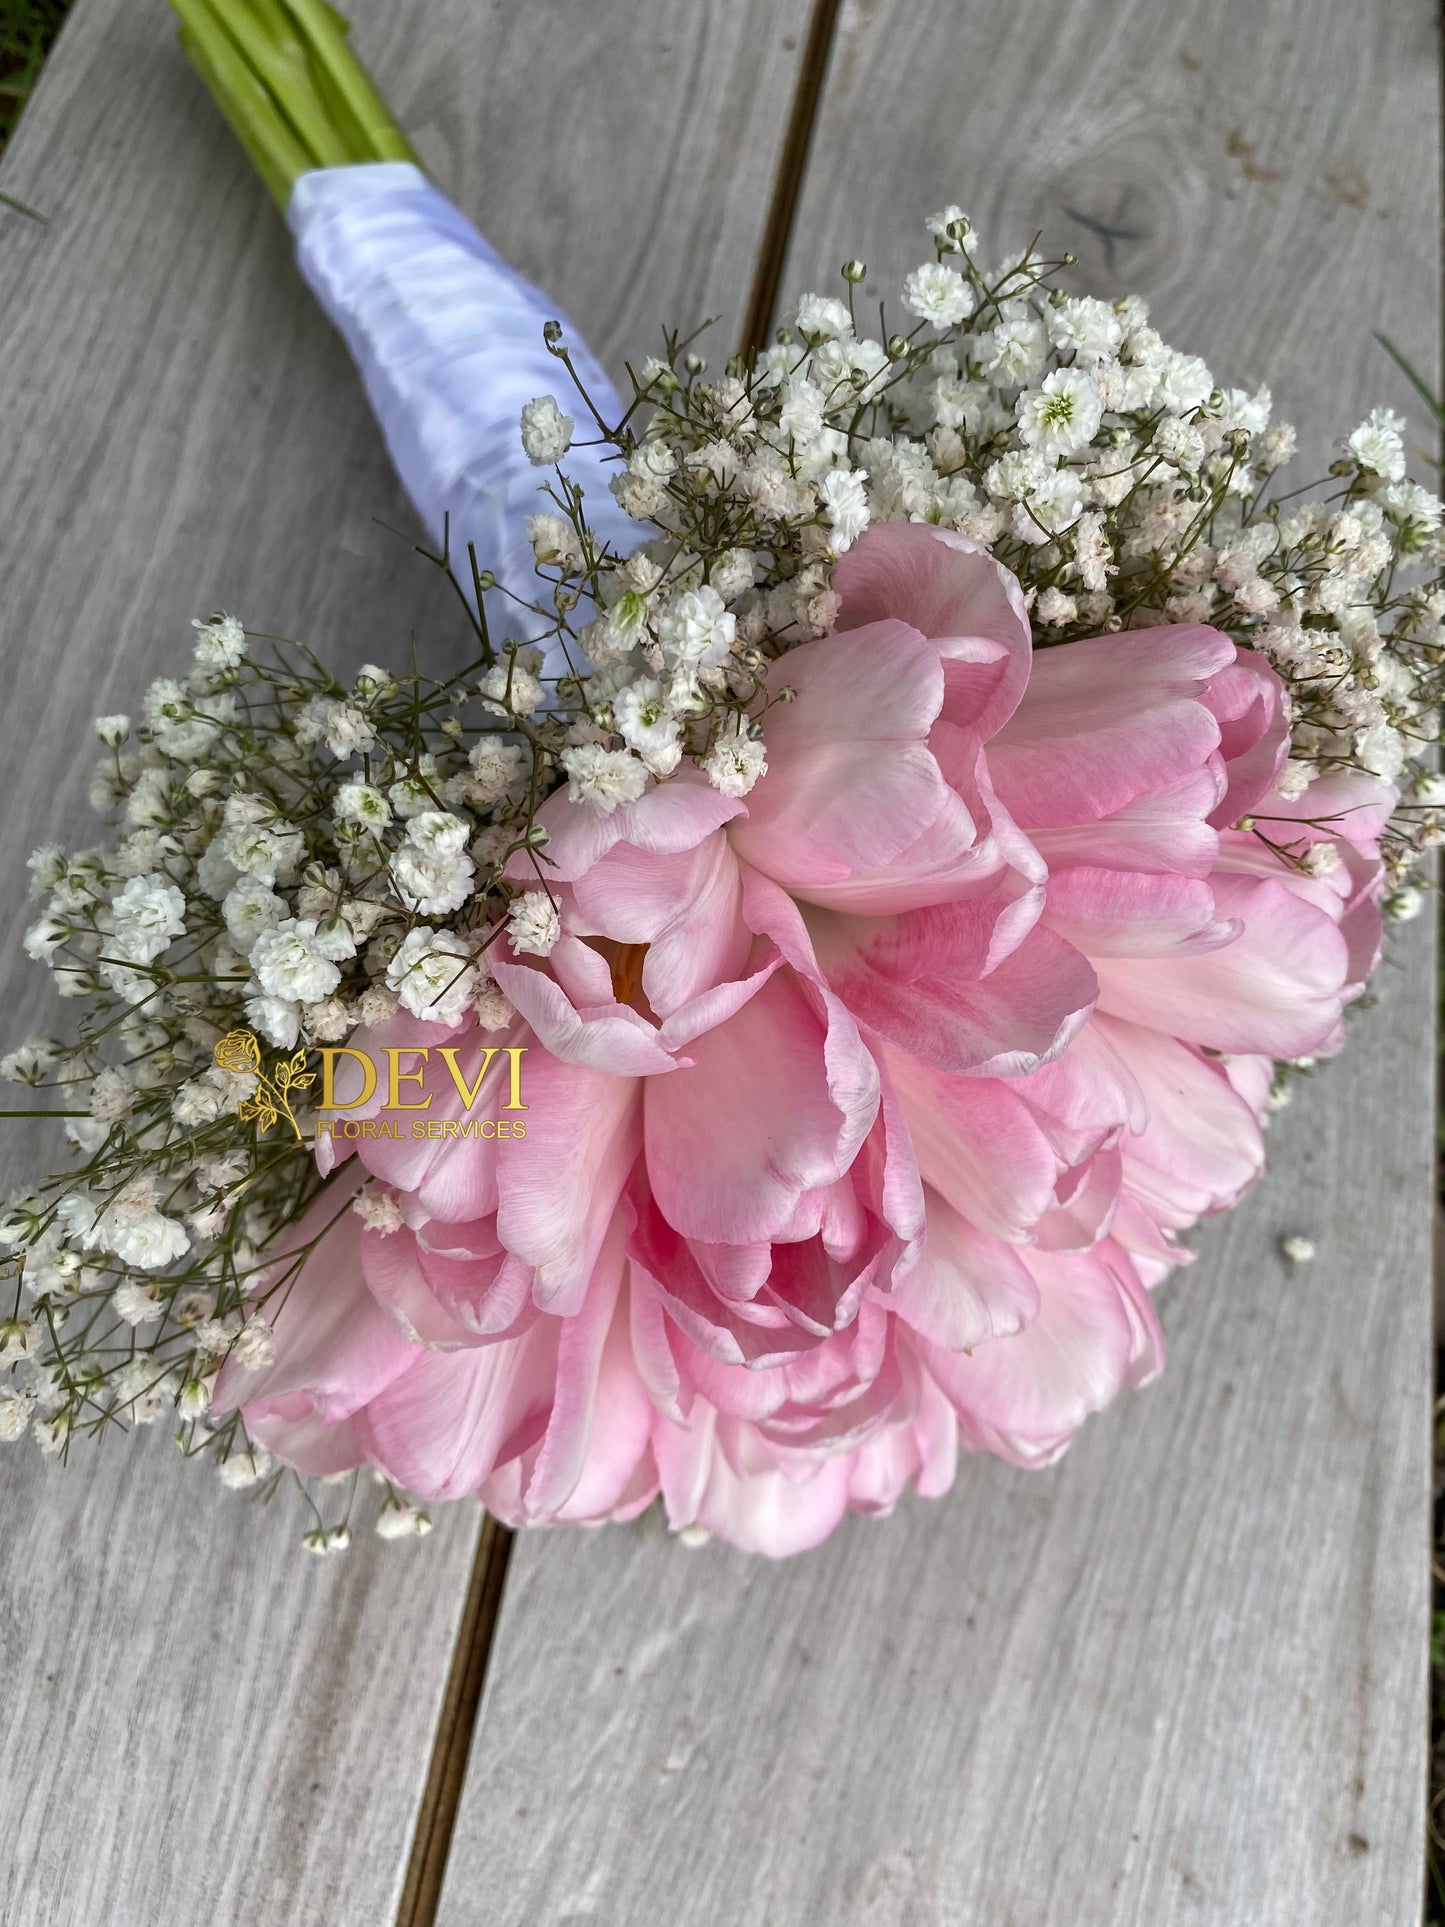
(295, 95)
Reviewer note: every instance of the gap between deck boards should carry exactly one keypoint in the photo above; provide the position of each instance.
(461, 1703)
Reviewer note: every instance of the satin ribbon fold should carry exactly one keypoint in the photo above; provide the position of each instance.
(448, 341)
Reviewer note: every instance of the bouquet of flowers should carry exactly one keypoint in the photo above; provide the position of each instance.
(762, 1024)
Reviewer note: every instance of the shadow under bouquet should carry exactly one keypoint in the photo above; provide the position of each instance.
(761, 1026)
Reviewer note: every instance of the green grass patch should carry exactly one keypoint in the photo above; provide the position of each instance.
(27, 28)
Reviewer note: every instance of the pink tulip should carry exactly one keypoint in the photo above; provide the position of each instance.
(864, 1111)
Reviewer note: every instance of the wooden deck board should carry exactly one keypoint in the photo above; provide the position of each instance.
(203, 1724)
(1182, 1677)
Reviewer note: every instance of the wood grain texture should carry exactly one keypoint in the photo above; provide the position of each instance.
(1182, 1677)
(202, 1724)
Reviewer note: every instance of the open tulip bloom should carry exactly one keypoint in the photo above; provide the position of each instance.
(762, 1026)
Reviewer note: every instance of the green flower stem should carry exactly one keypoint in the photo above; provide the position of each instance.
(290, 87)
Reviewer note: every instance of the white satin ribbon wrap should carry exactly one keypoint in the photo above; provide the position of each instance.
(448, 340)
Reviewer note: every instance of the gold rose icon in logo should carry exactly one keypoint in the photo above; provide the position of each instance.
(239, 1053)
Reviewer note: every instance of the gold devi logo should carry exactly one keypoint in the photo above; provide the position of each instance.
(271, 1097)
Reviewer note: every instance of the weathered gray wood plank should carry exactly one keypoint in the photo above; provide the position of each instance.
(202, 1724)
(1181, 1678)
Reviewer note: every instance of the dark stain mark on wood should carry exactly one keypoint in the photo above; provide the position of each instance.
(1240, 147)
(1110, 230)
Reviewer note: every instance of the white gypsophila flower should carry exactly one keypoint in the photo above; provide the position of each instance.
(213, 1336)
(134, 987)
(1382, 750)
(1181, 382)
(1407, 502)
(1092, 554)
(221, 1174)
(509, 688)
(432, 976)
(292, 964)
(240, 1470)
(493, 1008)
(1086, 328)
(197, 1102)
(696, 630)
(643, 718)
(732, 573)
(143, 1390)
(375, 1006)
(1011, 354)
(1298, 1249)
(497, 767)
(603, 779)
(1062, 415)
(348, 731)
(52, 1433)
(800, 411)
(1322, 860)
(1405, 904)
(1054, 608)
(30, 1061)
(822, 315)
(149, 912)
(554, 541)
(193, 1400)
(953, 227)
(1378, 445)
(1179, 442)
(135, 1303)
(112, 1096)
(653, 461)
(533, 925)
(415, 791)
(1256, 597)
(546, 431)
(735, 762)
(220, 642)
(143, 850)
(77, 1215)
(362, 804)
(843, 497)
(848, 368)
(437, 833)
(44, 938)
(1276, 447)
(187, 729)
(278, 1019)
(1050, 507)
(638, 496)
(1240, 409)
(17, 1338)
(15, 1410)
(938, 294)
(208, 1221)
(254, 1346)
(433, 886)
(270, 855)
(112, 730)
(47, 867)
(250, 909)
(1294, 779)
(193, 1308)
(329, 1022)
(378, 1210)
(1017, 475)
(150, 1241)
(398, 1520)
